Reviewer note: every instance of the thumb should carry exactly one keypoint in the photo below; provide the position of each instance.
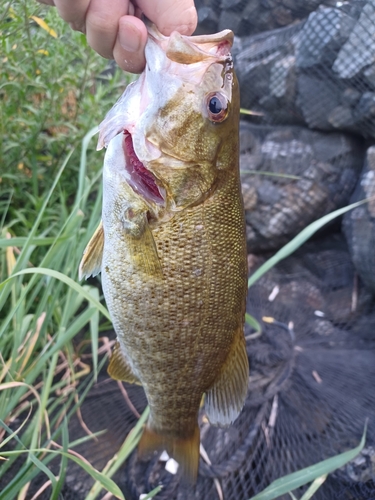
(170, 15)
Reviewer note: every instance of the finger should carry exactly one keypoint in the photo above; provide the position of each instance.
(102, 24)
(73, 11)
(170, 15)
(128, 51)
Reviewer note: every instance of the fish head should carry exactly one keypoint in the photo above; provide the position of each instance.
(179, 120)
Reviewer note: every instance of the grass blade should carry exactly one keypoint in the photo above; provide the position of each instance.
(297, 479)
(314, 487)
(271, 174)
(298, 240)
(65, 279)
(101, 478)
(152, 493)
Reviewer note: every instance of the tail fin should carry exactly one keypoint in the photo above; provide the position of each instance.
(184, 451)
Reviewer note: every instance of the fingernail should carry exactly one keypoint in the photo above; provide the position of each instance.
(130, 37)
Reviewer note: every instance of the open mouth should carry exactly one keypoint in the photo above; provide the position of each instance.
(141, 180)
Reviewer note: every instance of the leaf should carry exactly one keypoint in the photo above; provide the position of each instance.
(271, 174)
(298, 240)
(65, 279)
(244, 111)
(152, 493)
(64, 462)
(94, 331)
(314, 487)
(105, 481)
(19, 241)
(14, 433)
(297, 479)
(43, 468)
(44, 25)
(255, 325)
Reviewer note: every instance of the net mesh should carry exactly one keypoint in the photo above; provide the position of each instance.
(307, 73)
(311, 390)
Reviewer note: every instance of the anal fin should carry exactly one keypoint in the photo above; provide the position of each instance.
(225, 399)
(119, 368)
(184, 450)
(91, 262)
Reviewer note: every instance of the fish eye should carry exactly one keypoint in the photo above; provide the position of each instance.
(217, 107)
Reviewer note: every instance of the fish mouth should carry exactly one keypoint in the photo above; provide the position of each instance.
(141, 180)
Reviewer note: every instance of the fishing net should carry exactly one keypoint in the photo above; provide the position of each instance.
(310, 392)
(307, 74)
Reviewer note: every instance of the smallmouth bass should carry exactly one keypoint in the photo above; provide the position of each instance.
(171, 246)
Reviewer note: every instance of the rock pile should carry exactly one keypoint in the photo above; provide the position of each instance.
(291, 176)
(319, 73)
(247, 17)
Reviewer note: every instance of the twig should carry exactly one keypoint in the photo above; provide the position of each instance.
(127, 399)
(206, 458)
(41, 489)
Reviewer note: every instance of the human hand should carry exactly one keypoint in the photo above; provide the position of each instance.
(114, 28)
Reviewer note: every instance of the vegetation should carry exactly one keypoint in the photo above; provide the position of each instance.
(54, 90)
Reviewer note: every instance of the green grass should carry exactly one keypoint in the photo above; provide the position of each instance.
(53, 93)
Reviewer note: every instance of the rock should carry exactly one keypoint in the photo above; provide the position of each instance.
(233, 4)
(249, 12)
(364, 115)
(317, 97)
(298, 75)
(292, 176)
(341, 117)
(359, 224)
(282, 15)
(282, 76)
(265, 66)
(230, 20)
(350, 97)
(207, 20)
(359, 50)
(257, 15)
(322, 36)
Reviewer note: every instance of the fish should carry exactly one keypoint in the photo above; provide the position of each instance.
(171, 245)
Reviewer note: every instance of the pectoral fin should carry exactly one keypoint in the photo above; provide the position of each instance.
(91, 262)
(119, 368)
(141, 245)
(225, 399)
